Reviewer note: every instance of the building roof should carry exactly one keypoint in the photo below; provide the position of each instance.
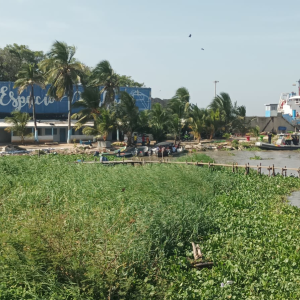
(46, 123)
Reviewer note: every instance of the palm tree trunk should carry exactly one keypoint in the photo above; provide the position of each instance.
(69, 119)
(33, 115)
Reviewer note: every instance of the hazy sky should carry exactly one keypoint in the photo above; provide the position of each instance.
(251, 47)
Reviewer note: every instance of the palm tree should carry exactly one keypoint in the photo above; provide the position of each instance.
(158, 122)
(180, 102)
(104, 75)
(104, 123)
(89, 102)
(231, 114)
(197, 120)
(29, 76)
(143, 121)
(127, 115)
(212, 121)
(223, 103)
(174, 126)
(182, 94)
(62, 71)
(18, 122)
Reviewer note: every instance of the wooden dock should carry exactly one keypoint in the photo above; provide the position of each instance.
(272, 170)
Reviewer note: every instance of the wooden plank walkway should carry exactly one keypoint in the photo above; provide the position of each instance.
(271, 169)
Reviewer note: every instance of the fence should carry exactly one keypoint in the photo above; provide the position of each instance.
(234, 167)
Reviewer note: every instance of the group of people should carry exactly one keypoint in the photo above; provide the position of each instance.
(145, 140)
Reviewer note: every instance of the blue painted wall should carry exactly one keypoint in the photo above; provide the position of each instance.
(10, 100)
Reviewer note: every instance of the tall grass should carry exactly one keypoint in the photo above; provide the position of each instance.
(76, 231)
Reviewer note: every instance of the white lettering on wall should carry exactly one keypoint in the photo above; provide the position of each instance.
(18, 102)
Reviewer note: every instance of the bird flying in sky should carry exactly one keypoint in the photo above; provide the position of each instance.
(202, 49)
(190, 35)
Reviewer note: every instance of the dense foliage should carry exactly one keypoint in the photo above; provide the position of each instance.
(88, 231)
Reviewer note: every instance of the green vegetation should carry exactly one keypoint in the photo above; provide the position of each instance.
(29, 76)
(196, 157)
(256, 157)
(18, 122)
(226, 135)
(124, 232)
(235, 143)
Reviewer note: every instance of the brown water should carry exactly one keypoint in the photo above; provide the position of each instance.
(294, 199)
(289, 159)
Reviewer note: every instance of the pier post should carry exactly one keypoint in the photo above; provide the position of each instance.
(273, 170)
(285, 170)
(232, 167)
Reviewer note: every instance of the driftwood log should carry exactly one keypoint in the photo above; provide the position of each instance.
(198, 256)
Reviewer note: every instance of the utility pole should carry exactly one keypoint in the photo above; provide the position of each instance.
(215, 82)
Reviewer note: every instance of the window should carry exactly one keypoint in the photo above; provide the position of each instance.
(54, 131)
(77, 132)
(268, 107)
(48, 131)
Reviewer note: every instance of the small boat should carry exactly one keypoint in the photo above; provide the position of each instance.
(285, 142)
(164, 149)
(141, 151)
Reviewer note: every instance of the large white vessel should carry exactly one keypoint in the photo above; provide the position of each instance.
(289, 104)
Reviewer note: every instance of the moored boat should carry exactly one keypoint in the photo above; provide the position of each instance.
(284, 142)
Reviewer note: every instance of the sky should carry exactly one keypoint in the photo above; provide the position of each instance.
(251, 47)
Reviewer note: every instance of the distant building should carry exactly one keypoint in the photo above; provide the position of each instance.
(51, 114)
(163, 102)
(271, 110)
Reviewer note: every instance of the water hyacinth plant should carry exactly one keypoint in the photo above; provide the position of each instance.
(89, 231)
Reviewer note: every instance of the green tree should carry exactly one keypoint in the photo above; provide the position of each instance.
(62, 71)
(197, 121)
(18, 122)
(255, 131)
(128, 81)
(175, 125)
(104, 75)
(89, 103)
(104, 123)
(127, 115)
(178, 108)
(212, 121)
(230, 113)
(12, 57)
(143, 121)
(159, 121)
(28, 77)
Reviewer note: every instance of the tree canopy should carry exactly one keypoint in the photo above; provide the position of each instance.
(12, 57)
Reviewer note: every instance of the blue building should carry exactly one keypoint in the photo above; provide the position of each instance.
(49, 111)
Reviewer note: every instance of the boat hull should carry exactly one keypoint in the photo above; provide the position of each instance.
(266, 146)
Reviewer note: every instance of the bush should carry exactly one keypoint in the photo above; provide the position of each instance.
(235, 143)
(226, 135)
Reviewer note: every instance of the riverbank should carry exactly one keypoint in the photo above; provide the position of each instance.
(94, 232)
